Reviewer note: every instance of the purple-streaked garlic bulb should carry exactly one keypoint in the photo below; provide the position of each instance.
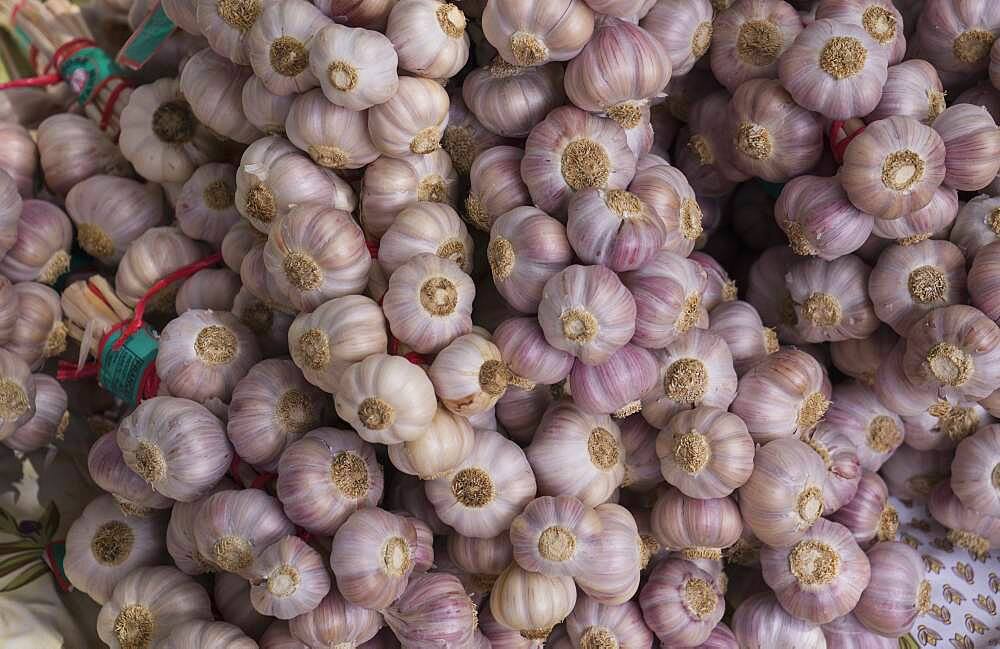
(840, 457)
(412, 121)
(668, 292)
(425, 227)
(695, 369)
(587, 312)
(577, 454)
(50, 421)
(149, 603)
(681, 603)
(510, 100)
(524, 35)
(386, 399)
(213, 87)
(278, 636)
(868, 515)
(11, 206)
(235, 527)
(433, 611)
(821, 577)
(705, 452)
(847, 632)
(429, 37)
(104, 545)
(836, 69)
(211, 288)
(181, 544)
(469, 375)
(738, 323)
(975, 476)
(227, 25)
(447, 440)
(879, 18)
(898, 592)
(957, 38)
(527, 248)
(749, 38)
(667, 192)
(19, 158)
(974, 531)
(912, 89)
(977, 225)
(481, 495)
(205, 208)
(529, 357)
(429, 302)
(767, 293)
(556, 536)
(372, 557)
(154, 254)
(786, 394)
(333, 136)
(699, 528)
(39, 332)
(531, 602)
(326, 476)
(705, 155)
(336, 335)
(972, 146)
(264, 109)
(356, 68)
(41, 250)
(73, 148)
(721, 287)
(237, 243)
(784, 496)
(952, 349)
(830, 299)
(858, 414)
(465, 137)
(593, 624)
(614, 577)
(278, 46)
(204, 354)
(861, 358)
(572, 150)
(110, 212)
(818, 218)
(392, 184)
(760, 622)
(290, 579)
(200, 634)
(500, 636)
(642, 466)
(108, 470)
(335, 622)
(893, 167)
(932, 220)
(520, 410)
(683, 29)
(944, 423)
(615, 228)
(481, 559)
(496, 186)
(617, 385)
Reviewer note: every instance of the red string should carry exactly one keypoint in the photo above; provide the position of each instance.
(303, 534)
(32, 82)
(53, 565)
(372, 248)
(259, 482)
(15, 10)
(109, 108)
(67, 50)
(839, 146)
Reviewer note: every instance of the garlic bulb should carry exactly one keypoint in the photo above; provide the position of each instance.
(149, 603)
(932, 220)
(975, 223)
(205, 208)
(858, 414)
(944, 423)
(237, 526)
(556, 536)
(316, 253)
(912, 89)
(760, 622)
(784, 496)
(617, 385)
(155, 254)
(264, 109)
(705, 452)
(278, 636)
(469, 375)
(213, 86)
(749, 38)
(425, 227)
(739, 324)
(572, 150)
(429, 302)
(39, 332)
(104, 545)
(269, 325)
(272, 407)
(343, 331)
(110, 212)
(333, 136)
(496, 186)
(211, 288)
(847, 631)
(231, 596)
(973, 470)
(681, 603)
(577, 454)
(50, 421)
(392, 184)
(19, 158)
(325, 476)
(667, 293)
(334, 622)
(482, 559)
(291, 579)
(818, 218)
(974, 531)
(447, 440)
(840, 456)
(238, 241)
(615, 228)
(868, 515)
(897, 390)
(684, 30)
(592, 623)
(830, 299)
(527, 247)
(530, 602)
(73, 148)
(529, 357)
(429, 37)
(108, 470)
(703, 151)
(433, 611)
(11, 206)
(860, 359)
(40, 251)
(278, 46)
(510, 100)
(372, 557)
(972, 146)
(204, 635)
(957, 38)
(412, 121)
(898, 592)
(523, 35)
(614, 578)
(227, 24)
(879, 18)
(767, 293)
(356, 68)
(181, 461)
(912, 474)
(700, 528)
(203, 354)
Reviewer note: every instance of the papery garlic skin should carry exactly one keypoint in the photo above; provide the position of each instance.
(412, 121)
(972, 146)
(264, 109)
(668, 297)
(447, 440)
(496, 186)
(897, 593)
(974, 224)
(235, 527)
(614, 228)
(356, 68)
(205, 208)
(614, 578)
(333, 136)
(237, 243)
(429, 37)
(11, 206)
(510, 100)
(335, 621)
(111, 212)
(760, 622)
(957, 38)
(944, 424)
(974, 471)
(434, 611)
(278, 46)
(231, 596)
(386, 399)
(527, 248)
(201, 634)
(683, 29)
(211, 288)
(372, 557)
(483, 559)
(617, 385)
(529, 357)
(699, 528)
(213, 87)
(818, 218)
(749, 39)
(531, 602)
(39, 332)
(868, 515)
(680, 603)
(426, 227)
(153, 255)
(592, 622)
(738, 323)
(469, 375)
(974, 531)
(73, 148)
(40, 251)
(523, 35)
(912, 89)
(393, 184)
(108, 470)
(846, 632)
(50, 421)
(705, 452)
(932, 220)
(830, 299)
(293, 579)
(556, 536)
(227, 25)
(19, 158)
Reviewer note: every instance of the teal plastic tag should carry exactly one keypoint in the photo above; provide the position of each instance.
(122, 369)
(146, 39)
(86, 69)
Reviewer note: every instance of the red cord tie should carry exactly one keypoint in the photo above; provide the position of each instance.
(839, 144)
(260, 480)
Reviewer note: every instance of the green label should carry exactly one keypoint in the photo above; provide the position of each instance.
(122, 369)
(146, 39)
(86, 69)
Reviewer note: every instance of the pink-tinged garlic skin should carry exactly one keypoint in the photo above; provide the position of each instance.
(896, 390)
(510, 100)
(108, 470)
(749, 38)
(291, 579)
(519, 410)
(720, 637)
(700, 528)
(213, 87)
(372, 557)
(278, 636)
(38, 332)
(667, 292)
(897, 593)
(530, 358)
(956, 38)
(821, 577)
(642, 466)
(525, 34)
(954, 349)
(447, 440)
(975, 478)
(483, 493)
(974, 531)
(227, 26)
(149, 603)
(333, 622)
(205, 208)
(910, 281)
(429, 37)
(696, 369)
(614, 579)
(858, 414)
(391, 185)
(861, 358)
(231, 596)
(629, 9)
(469, 375)
(621, 624)
(587, 312)
(616, 385)
(426, 227)
(183, 548)
(412, 121)
(840, 456)
(738, 323)
(667, 192)
(386, 399)
(496, 186)
(371, 14)
(19, 157)
(8, 310)
(944, 424)
(721, 288)
(912, 89)
(614, 228)
(932, 220)
(73, 148)
(760, 622)
(771, 136)
(211, 288)
(681, 603)
(527, 248)
(972, 146)
(703, 152)
(207, 634)
(767, 293)
(104, 545)
(110, 212)
(912, 474)
(705, 452)
(465, 137)
(848, 633)
(333, 136)
(49, 422)
(238, 241)
(879, 18)
(356, 68)
(235, 527)
(184, 15)
(868, 515)
(556, 536)
(483, 559)
(531, 602)
(982, 94)
(278, 44)
(316, 253)
(836, 69)
(818, 218)
(786, 394)
(830, 299)
(784, 496)
(572, 150)
(683, 29)
(262, 284)
(577, 454)
(153, 255)
(894, 167)
(975, 223)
